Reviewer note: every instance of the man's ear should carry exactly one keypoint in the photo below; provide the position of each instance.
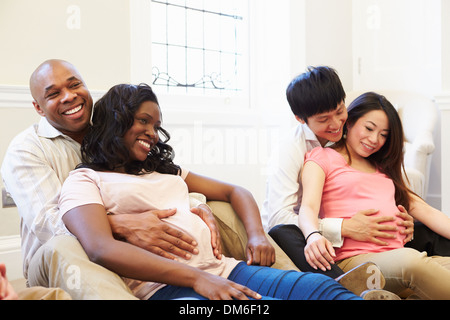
(300, 119)
(38, 109)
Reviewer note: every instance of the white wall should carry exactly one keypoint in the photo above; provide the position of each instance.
(444, 104)
(397, 46)
(329, 37)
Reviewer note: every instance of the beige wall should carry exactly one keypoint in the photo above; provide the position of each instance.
(94, 35)
(329, 37)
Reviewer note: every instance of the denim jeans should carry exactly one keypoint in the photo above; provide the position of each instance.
(272, 284)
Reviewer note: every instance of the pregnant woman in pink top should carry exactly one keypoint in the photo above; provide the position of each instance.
(363, 170)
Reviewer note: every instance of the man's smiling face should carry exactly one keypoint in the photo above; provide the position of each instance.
(62, 97)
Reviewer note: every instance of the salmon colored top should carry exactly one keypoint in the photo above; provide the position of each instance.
(347, 191)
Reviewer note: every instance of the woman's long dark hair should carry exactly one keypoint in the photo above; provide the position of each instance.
(389, 159)
(103, 148)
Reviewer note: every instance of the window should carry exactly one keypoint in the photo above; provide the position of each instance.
(199, 47)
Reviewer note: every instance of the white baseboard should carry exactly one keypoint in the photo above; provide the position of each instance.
(11, 256)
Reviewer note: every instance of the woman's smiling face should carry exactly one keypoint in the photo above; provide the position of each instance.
(143, 134)
(368, 134)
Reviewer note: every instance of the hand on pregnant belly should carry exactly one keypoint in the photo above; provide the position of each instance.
(405, 223)
(368, 226)
(207, 216)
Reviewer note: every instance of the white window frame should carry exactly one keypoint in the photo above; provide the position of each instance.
(141, 69)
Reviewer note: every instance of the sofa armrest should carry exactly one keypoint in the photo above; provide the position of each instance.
(234, 237)
(424, 142)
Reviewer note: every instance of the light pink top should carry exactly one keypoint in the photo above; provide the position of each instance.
(124, 193)
(347, 191)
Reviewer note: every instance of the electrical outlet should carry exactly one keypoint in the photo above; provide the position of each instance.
(7, 200)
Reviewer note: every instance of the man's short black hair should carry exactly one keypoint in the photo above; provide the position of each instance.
(318, 90)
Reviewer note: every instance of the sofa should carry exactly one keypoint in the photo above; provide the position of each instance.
(233, 241)
(234, 237)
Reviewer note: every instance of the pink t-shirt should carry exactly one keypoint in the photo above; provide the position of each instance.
(347, 191)
(125, 193)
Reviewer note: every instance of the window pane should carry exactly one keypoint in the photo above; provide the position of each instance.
(194, 31)
(176, 62)
(213, 5)
(196, 4)
(228, 34)
(194, 67)
(212, 32)
(176, 25)
(202, 46)
(229, 70)
(159, 31)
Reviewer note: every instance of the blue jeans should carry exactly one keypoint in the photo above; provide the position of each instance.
(272, 284)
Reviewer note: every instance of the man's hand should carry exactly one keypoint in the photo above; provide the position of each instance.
(205, 213)
(363, 227)
(147, 230)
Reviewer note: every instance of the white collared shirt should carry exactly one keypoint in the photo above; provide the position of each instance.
(35, 166)
(284, 189)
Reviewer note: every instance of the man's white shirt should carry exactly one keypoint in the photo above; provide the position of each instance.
(35, 166)
(284, 189)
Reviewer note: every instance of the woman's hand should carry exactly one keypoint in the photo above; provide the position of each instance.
(260, 251)
(218, 288)
(407, 222)
(319, 252)
(205, 213)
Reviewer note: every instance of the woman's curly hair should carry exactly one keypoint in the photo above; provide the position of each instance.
(103, 147)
